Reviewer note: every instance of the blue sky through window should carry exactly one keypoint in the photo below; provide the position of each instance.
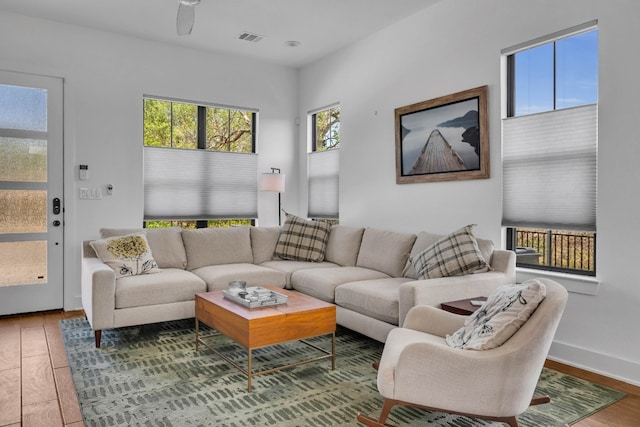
(576, 74)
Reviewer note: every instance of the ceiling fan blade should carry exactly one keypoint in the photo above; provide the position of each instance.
(185, 19)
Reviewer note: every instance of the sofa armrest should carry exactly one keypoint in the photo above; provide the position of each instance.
(504, 262)
(98, 292)
(434, 292)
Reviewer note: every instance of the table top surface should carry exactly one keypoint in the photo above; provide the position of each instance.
(462, 306)
(296, 303)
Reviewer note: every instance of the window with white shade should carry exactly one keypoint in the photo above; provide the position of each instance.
(200, 165)
(324, 164)
(550, 139)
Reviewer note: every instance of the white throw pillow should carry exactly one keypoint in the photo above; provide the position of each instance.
(128, 255)
(507, 308)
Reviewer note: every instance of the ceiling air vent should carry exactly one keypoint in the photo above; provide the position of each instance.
(250, 37)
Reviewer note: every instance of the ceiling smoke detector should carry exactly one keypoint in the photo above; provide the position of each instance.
(250, 37)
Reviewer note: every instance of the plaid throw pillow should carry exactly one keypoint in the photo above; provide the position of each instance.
(454, 255)
(303, 240)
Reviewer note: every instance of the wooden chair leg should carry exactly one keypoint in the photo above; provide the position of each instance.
(371, 422)
(386, 409)
(390, 403)
(98, 335)
(540, 400)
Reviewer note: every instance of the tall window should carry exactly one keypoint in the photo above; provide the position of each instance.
(550, 152)
(200, 166)
(324, 164)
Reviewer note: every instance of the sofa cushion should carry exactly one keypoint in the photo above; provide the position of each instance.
(290, 267)
(263, 243)
(385, 251)
(218, 276)
(426, 239)
(344, 244)
(322, 282)
(165, 243)
(215, 246)
(374, 298)
(302, 239)
(507, 308)
(169, 285)
(454, 255)
(128, 255)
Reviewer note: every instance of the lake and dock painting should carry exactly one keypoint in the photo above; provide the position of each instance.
(438, 140)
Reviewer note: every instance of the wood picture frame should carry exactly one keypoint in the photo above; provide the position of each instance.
(443, 139)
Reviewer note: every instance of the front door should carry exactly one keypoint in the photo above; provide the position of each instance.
(31, 203)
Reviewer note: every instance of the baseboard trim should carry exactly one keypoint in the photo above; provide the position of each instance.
(599, 363)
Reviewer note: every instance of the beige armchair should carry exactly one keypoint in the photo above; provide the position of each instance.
(419, 369)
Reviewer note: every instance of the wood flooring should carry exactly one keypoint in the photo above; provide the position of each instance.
(36, 387)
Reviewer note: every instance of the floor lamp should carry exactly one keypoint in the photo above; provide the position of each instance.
(273, 181)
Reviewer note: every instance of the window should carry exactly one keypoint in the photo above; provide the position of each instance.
(550, 151)
(326, 129)
(200, 165)
(324, 164)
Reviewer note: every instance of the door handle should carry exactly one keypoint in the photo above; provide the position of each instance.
(56, 223)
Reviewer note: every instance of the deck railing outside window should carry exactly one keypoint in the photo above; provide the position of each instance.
(558, 250)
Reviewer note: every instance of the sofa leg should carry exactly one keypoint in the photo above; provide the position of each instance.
(98, 334)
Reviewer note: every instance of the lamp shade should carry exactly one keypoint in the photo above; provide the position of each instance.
(272, 182)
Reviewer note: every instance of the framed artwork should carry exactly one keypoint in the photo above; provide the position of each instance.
(443, 139)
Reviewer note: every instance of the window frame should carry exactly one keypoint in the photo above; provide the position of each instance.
(315, 155)
(201, 144)
(510, 109)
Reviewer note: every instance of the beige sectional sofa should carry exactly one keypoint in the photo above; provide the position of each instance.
(365, 272)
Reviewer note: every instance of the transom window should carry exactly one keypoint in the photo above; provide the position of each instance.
(550, 152)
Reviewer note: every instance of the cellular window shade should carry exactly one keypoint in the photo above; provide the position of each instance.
(324, 171)
(549, 169)
(199, 184)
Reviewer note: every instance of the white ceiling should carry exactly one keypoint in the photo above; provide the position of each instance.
(321, 26)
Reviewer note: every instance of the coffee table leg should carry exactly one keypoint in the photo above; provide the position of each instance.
(249, 370)
(197, 328)
(333, 351)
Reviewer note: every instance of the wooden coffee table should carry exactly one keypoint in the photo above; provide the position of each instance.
(300, 318)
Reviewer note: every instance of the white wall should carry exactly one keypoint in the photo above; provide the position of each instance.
(105, 77)
(453, 46)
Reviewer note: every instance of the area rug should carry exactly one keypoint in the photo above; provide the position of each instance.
(151, 375)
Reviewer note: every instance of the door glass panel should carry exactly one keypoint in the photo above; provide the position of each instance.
(23, 108)
(23, 211)
(23, 160)
(23, 263)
